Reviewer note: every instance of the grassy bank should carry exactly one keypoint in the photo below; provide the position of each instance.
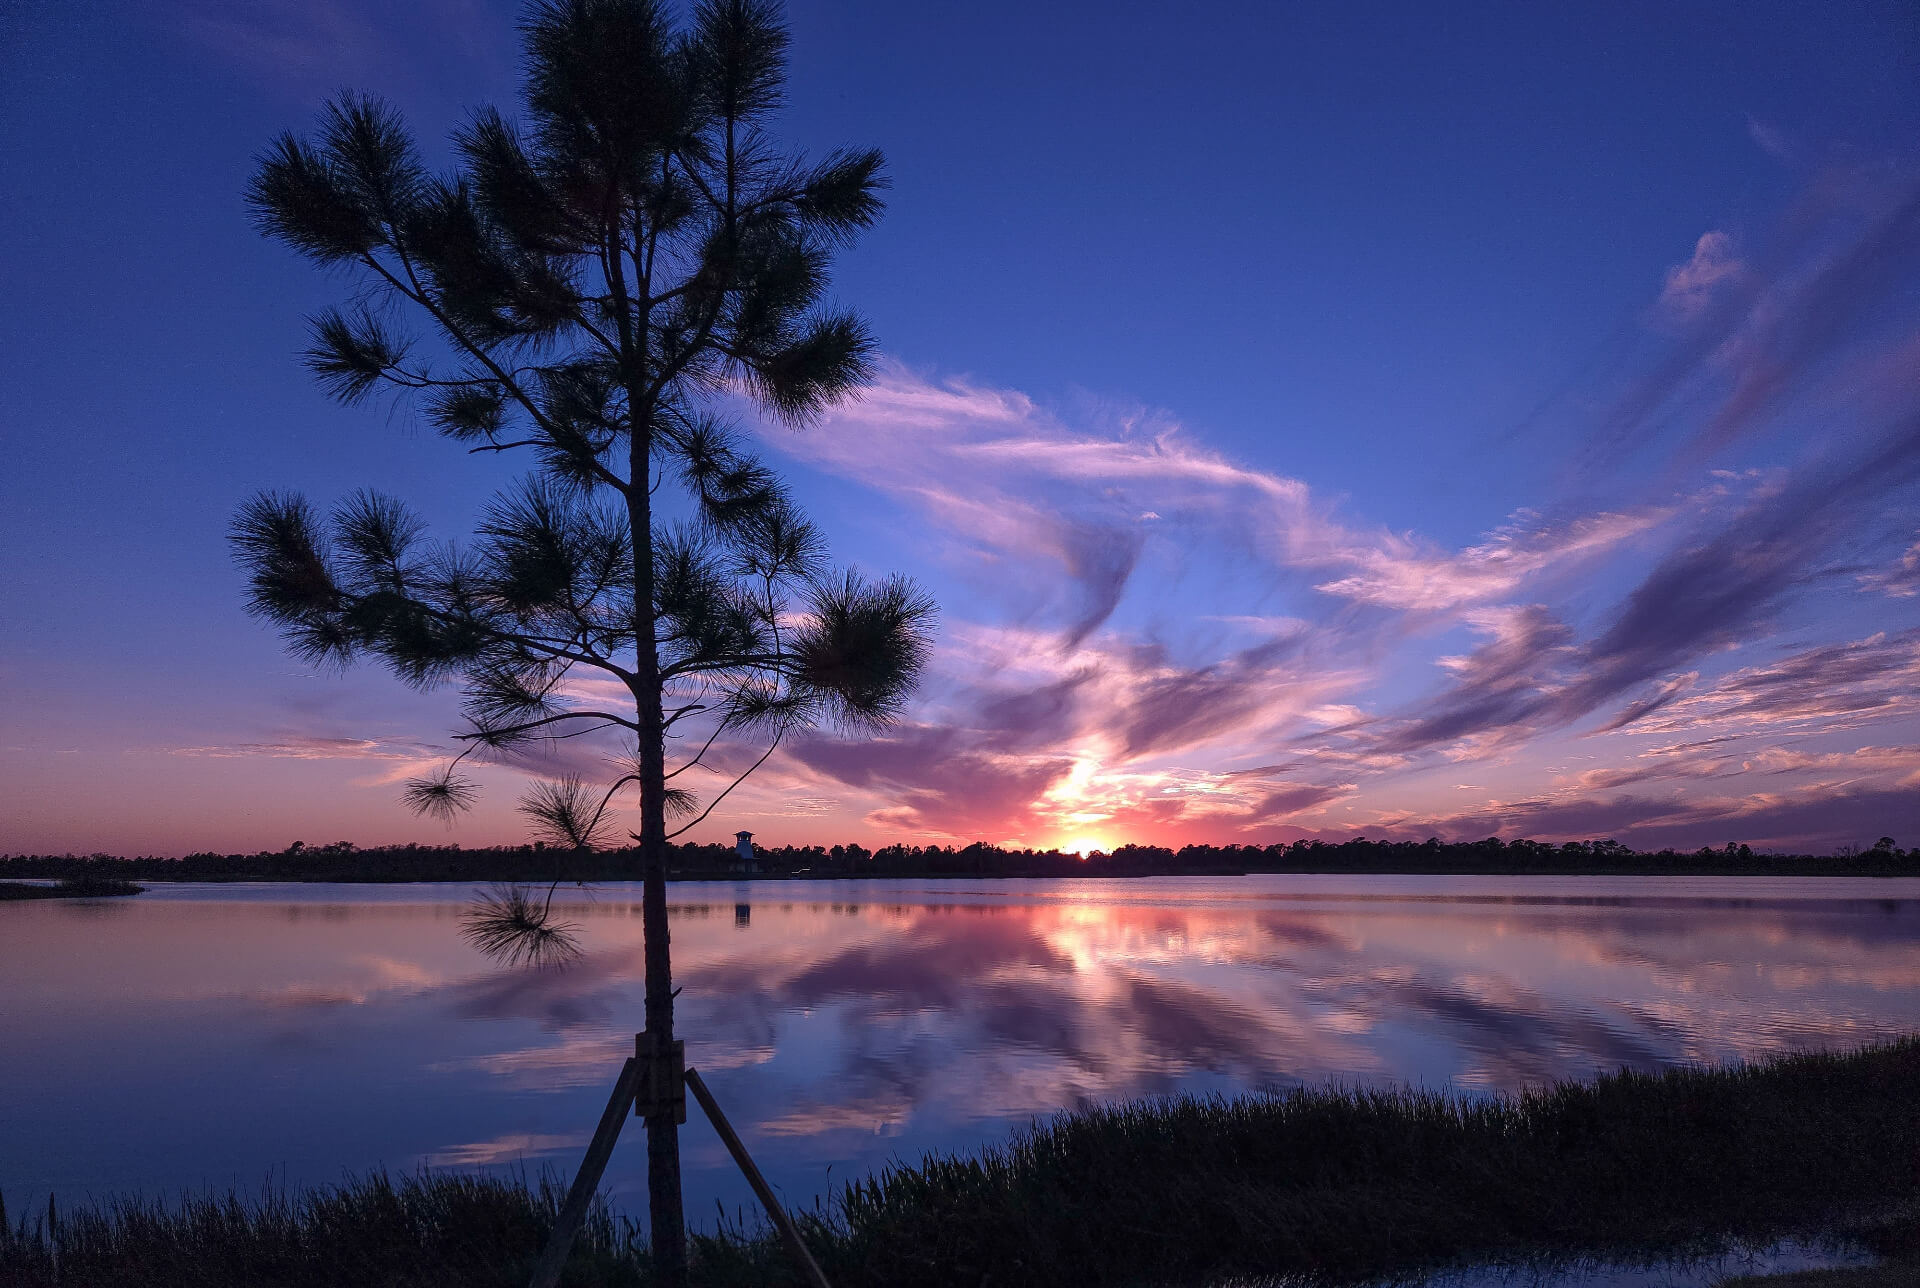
(1342, 1184)
(82, 887)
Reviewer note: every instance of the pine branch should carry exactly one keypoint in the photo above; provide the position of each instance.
(418, 294)
(728, 790)
(491, 734)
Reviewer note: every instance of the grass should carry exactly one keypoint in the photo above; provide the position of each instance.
(83, 887)
(1337, 1184)
(430, 1231)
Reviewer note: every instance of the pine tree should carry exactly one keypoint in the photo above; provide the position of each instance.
(594, 285)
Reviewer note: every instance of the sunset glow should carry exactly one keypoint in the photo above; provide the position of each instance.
(643, 637)
(1549, 474)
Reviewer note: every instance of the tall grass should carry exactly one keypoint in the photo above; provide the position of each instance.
(1338, 1184)
(420, 1231)
(1348, 1184)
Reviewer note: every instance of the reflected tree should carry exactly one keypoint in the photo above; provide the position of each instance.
(593, 285)
(513, 923)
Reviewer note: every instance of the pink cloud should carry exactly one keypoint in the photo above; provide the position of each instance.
(1076, 692)
(1077, 717)
(314, 747)
(1690, 288)
(1090, 740)
(1902, 580)
(1783, 329)
(1036, 499)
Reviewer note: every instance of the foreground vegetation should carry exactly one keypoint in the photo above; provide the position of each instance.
(1338, 1184)
(344, 861)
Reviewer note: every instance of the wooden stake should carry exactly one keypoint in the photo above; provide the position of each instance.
(760, 1187)
(546, 1274)
(658, 1074)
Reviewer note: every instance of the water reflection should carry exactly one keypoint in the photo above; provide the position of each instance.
(310, 1030)
(515, 926)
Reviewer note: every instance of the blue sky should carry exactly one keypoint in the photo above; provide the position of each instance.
(1532, 337)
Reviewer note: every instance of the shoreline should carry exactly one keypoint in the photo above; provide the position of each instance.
(343, 861)
(15, 871)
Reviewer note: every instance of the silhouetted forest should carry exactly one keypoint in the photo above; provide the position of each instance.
(344, 861)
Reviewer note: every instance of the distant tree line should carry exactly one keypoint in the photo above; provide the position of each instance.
(344, 861)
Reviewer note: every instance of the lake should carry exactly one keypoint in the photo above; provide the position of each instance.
(234, 1035)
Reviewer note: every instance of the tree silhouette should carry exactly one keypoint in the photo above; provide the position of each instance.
(595, 285)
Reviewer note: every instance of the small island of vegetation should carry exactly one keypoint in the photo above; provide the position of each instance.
(85, 885)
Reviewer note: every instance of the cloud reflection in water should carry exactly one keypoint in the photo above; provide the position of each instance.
(975, 1004)
(847, 1025)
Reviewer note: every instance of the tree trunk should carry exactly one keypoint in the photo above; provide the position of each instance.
(666, 1213)
(668, 1218)
(664, 1207)
(665, 1210)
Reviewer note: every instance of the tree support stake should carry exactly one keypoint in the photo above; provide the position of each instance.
(546, 1273)
(788, 1232)
(654, 1083)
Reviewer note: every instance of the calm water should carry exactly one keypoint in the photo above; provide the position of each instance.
(224, 1035)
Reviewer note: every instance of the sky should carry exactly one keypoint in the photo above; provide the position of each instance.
(1313, 421)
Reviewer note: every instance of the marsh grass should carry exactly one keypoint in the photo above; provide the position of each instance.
(429, 1231)
(1336, 1184)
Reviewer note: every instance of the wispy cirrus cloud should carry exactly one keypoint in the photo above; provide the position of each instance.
(1829, 687)
(1902, 580)
(307, 42)
(389, 761)
(1333, 662)
(1723, 588)
(1074, 702)
(314, 747)
(1785, 328)
(1031, 496)
(317, 46)
(1816, 816)
(1400, 573)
